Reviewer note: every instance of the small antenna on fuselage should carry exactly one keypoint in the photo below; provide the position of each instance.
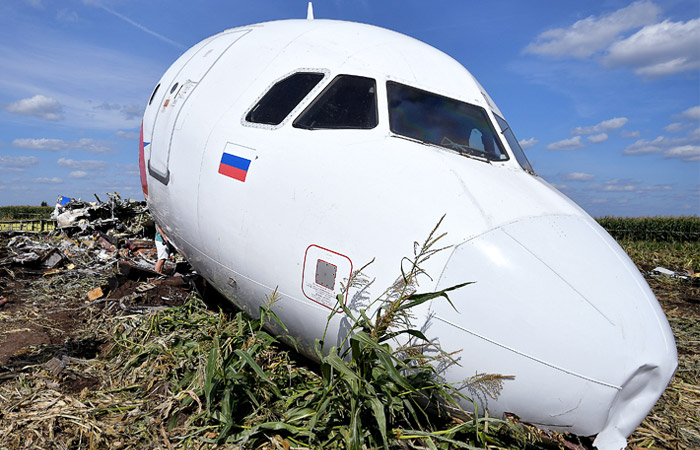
(310, 11)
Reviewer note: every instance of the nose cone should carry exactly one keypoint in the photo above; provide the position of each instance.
(559, 305)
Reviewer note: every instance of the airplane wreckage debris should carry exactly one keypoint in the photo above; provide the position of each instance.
(94, 234)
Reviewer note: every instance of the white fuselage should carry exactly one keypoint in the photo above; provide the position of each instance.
(556, 302)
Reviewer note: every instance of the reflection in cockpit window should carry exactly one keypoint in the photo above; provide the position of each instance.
(283, 97)
(442, 121)
(349, 102)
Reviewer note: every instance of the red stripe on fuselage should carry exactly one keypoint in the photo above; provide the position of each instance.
(142, 165)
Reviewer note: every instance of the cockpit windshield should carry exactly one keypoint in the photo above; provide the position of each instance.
(443, 121)
(514, 144)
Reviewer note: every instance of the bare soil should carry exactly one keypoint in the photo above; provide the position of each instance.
(44, 313)
(27, 322)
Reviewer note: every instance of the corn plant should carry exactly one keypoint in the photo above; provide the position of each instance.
(235, 384)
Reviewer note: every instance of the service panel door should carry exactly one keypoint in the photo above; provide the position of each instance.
(182, 87)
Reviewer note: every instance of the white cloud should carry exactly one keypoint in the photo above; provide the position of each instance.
(685, 152)
(132, 111)
(631, 134)
(18, 162)
(617, 185)
(631, 186)
(89, 145)
(83, 165)
(127, 134)
(37, 106)
(567, 144)
(527, 143)
(78, 174)
(653, 49)
(593, 34)
(606, 125)
(54, 180)
(675, 127)
(683, 148)
(658, 50)
(578, 176)
(657, 187)
(40, 144)
(645, 147)
(691, 113)
(598, 138)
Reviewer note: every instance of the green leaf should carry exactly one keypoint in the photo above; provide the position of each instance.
(210, 371)
(417, 299)
(256, 368)
(378, 410)
(338, 364)
(298, 414)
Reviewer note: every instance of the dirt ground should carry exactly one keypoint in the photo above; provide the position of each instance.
(49, 310)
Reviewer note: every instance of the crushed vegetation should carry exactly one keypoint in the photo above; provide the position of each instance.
(149, 361)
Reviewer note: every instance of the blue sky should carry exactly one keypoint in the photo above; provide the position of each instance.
(604, 95)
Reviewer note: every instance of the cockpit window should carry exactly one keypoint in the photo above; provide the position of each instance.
(349, 102)
(442, 121)
(514, 144)
(283, 97)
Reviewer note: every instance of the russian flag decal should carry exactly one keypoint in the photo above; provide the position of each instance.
(234, 166)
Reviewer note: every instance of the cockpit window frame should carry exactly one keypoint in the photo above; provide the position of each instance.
(481, 155)
(520, 155)
(299, 106)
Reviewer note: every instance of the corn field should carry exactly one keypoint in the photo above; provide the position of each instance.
(25, 212)
(662, 229)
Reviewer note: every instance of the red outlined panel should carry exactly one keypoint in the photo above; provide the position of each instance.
(322, 274)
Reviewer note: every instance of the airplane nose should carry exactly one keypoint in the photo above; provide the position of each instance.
(567, 313)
